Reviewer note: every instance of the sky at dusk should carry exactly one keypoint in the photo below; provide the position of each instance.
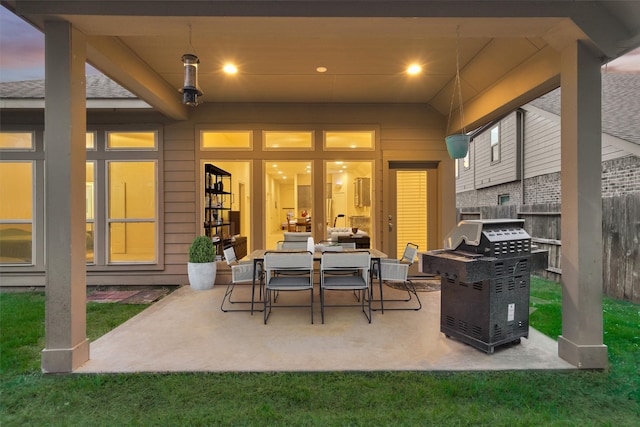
(22, 52)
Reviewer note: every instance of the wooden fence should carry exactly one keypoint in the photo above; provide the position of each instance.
(620, 238)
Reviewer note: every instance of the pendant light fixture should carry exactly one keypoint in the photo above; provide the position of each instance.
(190, 91)
(457, 144)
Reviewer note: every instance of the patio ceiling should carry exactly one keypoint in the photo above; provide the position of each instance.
(508, 54)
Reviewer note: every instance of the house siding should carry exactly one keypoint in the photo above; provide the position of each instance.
(465, 180)
(405, 132)
(487, 173)
(542, 146)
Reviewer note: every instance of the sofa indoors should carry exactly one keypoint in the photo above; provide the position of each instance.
(334, 232)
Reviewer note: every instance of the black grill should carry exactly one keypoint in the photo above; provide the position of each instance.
(485, 276)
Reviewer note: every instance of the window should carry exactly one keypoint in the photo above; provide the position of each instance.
(131, 140)
(121, 196)
(90, 142)
(90, 211)
(457, 169)
(16, 212)
(495, 144)
(465, 160)
(122, 199)
(288, 140)
(16, 140)
(229, 139)
(349, 140)
(503, 199)
(131, 211)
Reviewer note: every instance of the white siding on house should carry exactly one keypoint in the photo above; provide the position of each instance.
(611, 152)
(542, 145)
(506, 170)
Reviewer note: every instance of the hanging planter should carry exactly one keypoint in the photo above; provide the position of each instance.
(457, 144)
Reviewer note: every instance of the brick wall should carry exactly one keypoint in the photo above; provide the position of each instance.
(489, 196)
(619, 176)
(542, 189)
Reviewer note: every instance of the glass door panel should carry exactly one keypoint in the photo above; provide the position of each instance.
(288, 199)
(240, 214)
(349, 197)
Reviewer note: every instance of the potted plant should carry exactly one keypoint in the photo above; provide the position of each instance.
(202, 263)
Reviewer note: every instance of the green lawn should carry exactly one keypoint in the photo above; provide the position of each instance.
(579, 398)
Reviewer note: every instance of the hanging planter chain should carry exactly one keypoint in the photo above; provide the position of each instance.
(457, 144)
(457, 83)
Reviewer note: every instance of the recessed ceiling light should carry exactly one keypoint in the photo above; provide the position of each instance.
(230, 69)
(321, 69)
(414, 69)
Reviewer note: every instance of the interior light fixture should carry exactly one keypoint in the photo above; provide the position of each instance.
(321, 69)
(414, 69)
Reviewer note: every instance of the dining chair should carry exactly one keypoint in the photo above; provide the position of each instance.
(333, 266)
(291, 245)
(242, 272)
(284, 272)
(396, 272)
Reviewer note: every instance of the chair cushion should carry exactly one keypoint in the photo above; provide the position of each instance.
(290, 283)
(343, 282)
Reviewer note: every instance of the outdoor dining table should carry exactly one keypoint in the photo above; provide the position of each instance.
(257, 256)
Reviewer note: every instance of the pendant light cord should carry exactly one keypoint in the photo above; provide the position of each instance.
(457, 83)
(193, 49)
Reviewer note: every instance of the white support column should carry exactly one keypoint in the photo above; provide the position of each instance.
(581, 342)
(66, 345)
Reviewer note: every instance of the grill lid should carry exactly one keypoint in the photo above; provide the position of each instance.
(483, 233)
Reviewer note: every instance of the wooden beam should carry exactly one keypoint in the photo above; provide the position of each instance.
(119, 63)
(533, 78)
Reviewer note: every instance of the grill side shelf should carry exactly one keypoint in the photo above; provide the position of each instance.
(463, 266)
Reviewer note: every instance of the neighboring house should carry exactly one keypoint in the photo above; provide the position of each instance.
(515, 161)
(102, 93)
(498, 170)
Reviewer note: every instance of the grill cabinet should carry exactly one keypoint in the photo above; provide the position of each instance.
(485, 275)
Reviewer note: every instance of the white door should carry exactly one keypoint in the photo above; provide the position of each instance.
(409, 217)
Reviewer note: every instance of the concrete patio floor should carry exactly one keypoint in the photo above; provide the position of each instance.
(187, 332)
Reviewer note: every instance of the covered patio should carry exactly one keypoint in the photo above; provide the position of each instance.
(508, 55)
(186, 331)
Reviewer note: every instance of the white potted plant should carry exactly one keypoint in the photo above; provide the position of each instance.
(202, 263)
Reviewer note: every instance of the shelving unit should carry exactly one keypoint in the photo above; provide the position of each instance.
(217, 204)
